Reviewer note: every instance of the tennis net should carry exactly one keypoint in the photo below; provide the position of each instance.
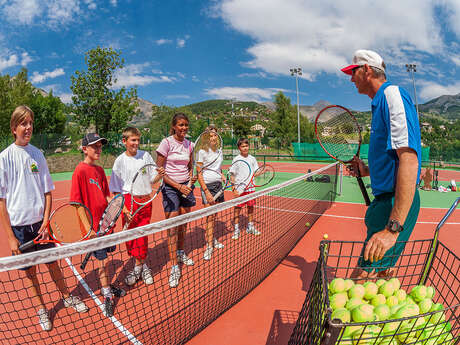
(157, 313)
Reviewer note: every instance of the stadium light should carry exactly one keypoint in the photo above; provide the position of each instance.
(296, 72)
(412, 68)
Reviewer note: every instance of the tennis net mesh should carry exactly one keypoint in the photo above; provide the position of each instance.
(157, 313)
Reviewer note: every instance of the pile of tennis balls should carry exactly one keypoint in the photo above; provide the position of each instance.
(385, 300)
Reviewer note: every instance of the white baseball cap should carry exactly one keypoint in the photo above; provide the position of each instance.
(365, 57)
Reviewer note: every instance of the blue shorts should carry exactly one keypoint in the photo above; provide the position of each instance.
(26, 233)
(173, 199)
(101, 254)
(214, 188)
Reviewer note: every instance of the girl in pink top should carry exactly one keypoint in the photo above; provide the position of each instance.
(175, 154)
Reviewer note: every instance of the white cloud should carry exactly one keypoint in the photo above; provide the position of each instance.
(180, 42)
(321, 36)
(133, 75)
(243, 93)
(66, 97)
(113, 3)
(14, 60)
(178, 97)
(430, 90)
(162, 41)
(38, 78)
(52, 13)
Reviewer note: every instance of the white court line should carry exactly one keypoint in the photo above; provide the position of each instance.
(90, 292)
(336, 216)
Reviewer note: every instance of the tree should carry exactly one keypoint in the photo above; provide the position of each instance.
(49, 114)
(94, 99)
(241, 126)
(283, 120)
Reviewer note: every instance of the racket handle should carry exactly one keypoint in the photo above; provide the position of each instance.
(26, 246)
(363, 191)
(189, 185)
(85, 260)
(218, 194)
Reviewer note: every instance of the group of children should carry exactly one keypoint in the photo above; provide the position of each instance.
(25, 201)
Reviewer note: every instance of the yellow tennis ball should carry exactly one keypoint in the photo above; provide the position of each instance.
(307, 224)
(326, 236)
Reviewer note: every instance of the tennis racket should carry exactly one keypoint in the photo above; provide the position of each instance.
(145, 187)
(339, 134)
(237, 177)
(64, 226)
(262, 176)
(107, 221)
(209, 145)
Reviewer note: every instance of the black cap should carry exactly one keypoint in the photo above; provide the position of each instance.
(92, 138)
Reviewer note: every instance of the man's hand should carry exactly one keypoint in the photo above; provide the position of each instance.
(378, 245)
(358, 165)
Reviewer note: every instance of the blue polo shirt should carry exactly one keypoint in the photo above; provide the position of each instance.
(394, 125)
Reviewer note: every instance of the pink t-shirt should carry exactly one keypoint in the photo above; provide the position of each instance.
(177, 154)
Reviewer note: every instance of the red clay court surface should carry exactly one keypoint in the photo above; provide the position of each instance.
(268, 313)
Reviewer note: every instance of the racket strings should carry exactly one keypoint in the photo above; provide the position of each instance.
(111, 214)
(338, 132)
(66, 226)
(264, 175)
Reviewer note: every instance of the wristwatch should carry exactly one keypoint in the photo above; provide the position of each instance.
(394, 226)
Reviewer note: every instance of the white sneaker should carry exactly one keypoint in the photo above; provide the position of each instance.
(208, 252)
(182, 257)
(174, 276)
(217, 244)
(132, 277)
(236, 234)
(75, 303)
(252, 230)
(44, 320)
(147, 276)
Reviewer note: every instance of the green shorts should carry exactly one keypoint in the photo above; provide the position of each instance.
(377, 217)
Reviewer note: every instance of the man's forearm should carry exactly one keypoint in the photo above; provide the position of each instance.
(406, 181)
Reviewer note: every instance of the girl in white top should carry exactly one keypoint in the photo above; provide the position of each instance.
(25, 205)
(211, 183)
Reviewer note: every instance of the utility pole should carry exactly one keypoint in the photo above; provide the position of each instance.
(412, 68)
(296, 72)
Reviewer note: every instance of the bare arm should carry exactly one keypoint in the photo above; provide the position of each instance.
(406, 180)
(6, 225)
(46, 215)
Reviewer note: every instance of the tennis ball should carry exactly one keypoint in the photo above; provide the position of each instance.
(349, 284)
(338, 300)
(396, 283)
(370, 289)
(353, 303)
(380, 282)
(407, 310)
(408, 332)
(337, 285)
(357, 291)
(401, 295)
(387, 289)
(307, 224)
(363, 313)
(439, 316)
(392, 301)
(409, 300)
(326, 236)
(366, 336)
(390, 327)
(382, 311)
(430, 292)
(378, 299)
(425, 305)
(342, 314)
(418, 293)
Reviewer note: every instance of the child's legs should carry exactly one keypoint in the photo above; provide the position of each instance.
(31, 283)
(210, 230)
(182, 228)
(104, 273)
(172, 238)
(138, 247)
(250, 214)
(58, 278)
(236, 215)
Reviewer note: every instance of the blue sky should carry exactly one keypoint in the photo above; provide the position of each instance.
(181, 52)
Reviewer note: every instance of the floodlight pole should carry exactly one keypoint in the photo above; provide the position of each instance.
(412, 68)
(297, 71)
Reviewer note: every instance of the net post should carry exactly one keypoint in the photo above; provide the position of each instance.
(340, 179)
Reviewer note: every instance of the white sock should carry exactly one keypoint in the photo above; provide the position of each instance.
(137, 269)
(237, 227)
(144, 266)
(107, 292)
(250, 225)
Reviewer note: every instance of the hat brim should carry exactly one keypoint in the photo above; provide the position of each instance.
(349, 69)
(103, 140)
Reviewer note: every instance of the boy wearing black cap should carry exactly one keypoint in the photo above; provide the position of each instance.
(90, 187)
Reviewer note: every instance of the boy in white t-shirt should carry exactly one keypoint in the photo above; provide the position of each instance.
(25, 205)
(125, 167)
(243, 146)
(211, 183)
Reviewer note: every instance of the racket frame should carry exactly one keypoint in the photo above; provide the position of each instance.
(255, 175)
(53, 239)
(228, 181)
(112, 223)
(345, 163)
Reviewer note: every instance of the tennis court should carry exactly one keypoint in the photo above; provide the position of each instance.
(228, 287)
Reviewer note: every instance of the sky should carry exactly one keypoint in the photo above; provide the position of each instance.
(178, 52)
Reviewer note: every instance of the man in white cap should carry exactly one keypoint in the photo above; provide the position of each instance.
(394, 166)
